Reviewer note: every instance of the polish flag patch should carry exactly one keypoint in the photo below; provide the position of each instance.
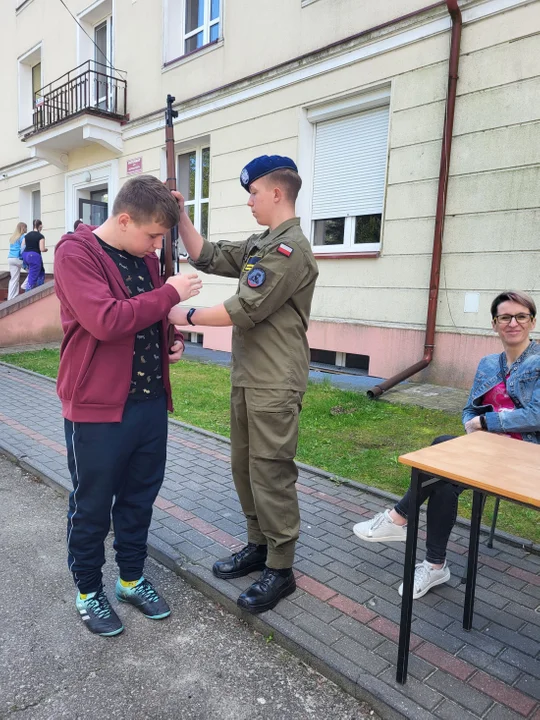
(285, 250)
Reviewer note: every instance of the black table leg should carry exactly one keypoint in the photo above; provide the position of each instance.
(472, 563)
(493, 522)
(484, 498)
(408, 579)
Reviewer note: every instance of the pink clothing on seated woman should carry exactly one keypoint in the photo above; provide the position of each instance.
(499, 399)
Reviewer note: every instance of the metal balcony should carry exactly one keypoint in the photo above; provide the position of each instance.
(90, 88)
(85, 106)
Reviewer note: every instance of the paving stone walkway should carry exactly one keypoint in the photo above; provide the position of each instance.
(344, 617)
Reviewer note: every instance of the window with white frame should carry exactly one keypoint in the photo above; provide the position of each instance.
(30, 82)
(30, 203)
(193, 174)
(202, 23)
(36, 83)
(95, 38)
(349, 175)
(190, 25)
(36, 205)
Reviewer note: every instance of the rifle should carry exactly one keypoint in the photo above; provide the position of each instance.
(169, 255)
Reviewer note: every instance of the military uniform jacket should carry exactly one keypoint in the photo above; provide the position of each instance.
(270, 311)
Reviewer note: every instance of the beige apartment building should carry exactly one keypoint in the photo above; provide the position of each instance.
(353, 90)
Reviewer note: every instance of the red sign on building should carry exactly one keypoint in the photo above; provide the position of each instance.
(134, 166)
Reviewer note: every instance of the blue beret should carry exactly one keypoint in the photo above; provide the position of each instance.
(262, 166)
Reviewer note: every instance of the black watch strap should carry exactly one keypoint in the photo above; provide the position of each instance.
(190, 315)
(483, 422)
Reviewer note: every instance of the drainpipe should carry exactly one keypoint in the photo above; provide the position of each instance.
(429, 343)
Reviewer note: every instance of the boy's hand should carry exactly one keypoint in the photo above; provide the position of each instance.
(179, 199)
(176, 351)
(187, 286)
(178, 316)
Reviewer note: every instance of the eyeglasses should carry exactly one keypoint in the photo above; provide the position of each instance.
(521, 318)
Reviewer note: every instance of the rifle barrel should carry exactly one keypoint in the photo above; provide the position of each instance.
(171, 238)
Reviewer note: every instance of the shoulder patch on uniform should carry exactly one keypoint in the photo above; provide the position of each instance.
(285, 250)
(250, 263)
(256, 277)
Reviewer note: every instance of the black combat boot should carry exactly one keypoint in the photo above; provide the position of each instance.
(268, 590)
(248, 559)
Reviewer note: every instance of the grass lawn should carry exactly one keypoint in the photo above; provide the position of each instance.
(342, 432)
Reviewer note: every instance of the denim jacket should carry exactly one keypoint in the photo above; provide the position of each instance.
(523, 386)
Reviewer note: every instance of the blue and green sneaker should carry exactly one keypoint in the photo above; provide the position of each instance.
(97, 614)
(142, 595)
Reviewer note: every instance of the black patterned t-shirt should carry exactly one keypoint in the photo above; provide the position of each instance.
(147, 376)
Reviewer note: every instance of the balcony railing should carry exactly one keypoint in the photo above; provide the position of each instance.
(91, 87)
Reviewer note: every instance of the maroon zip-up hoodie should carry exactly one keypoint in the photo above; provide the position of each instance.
(100, 321)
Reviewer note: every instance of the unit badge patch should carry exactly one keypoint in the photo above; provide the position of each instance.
(285, 250)
(256, 277)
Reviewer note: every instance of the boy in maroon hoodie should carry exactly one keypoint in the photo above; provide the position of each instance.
(115, 391)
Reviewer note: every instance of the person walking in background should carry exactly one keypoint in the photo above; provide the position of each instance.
(15, 262)
(34, 247)
(75, 226)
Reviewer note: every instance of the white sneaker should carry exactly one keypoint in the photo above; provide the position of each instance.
(380, 528)
(426, 577)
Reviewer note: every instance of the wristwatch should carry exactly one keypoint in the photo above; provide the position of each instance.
(190, 315)
(483, 422)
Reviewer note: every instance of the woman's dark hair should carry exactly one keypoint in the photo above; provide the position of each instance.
(513, 296)
(37, 224)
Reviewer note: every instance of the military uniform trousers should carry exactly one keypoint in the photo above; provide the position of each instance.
(264, 438)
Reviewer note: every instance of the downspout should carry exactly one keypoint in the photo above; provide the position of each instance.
(429, 343)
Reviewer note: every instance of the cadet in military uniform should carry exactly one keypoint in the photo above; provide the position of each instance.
(270, 361)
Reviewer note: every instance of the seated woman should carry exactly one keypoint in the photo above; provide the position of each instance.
(505, 398)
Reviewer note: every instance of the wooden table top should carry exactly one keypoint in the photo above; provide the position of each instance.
(494, 463)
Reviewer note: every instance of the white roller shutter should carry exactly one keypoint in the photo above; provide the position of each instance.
(350, 165)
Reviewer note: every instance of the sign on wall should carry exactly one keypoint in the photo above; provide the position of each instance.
(134, 166)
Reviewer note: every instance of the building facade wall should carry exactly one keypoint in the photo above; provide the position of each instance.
(374, 306)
